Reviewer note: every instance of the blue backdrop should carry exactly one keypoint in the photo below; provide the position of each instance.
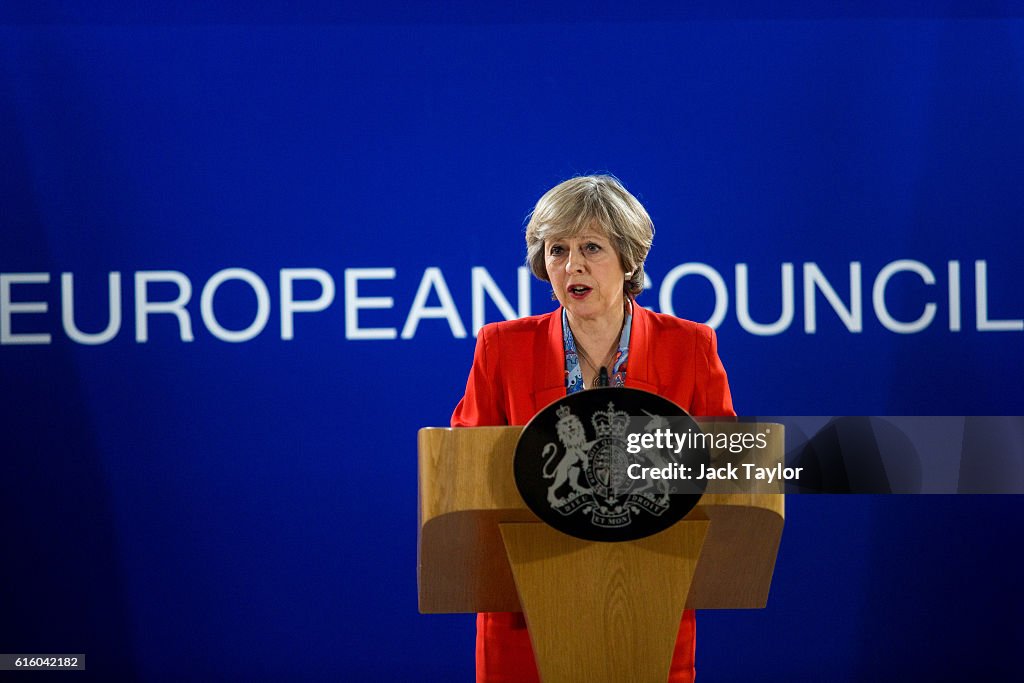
(329, 200)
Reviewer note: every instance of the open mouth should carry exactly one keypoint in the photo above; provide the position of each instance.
(579, 291)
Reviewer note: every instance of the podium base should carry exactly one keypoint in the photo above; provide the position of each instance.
(603, 611)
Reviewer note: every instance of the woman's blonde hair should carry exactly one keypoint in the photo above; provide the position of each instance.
(580, 203)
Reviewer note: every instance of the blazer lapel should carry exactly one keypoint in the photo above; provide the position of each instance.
(549, 365)
(639, 370)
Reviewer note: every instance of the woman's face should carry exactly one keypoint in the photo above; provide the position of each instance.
(586, 275)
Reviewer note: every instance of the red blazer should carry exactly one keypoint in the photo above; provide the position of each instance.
(519, 368)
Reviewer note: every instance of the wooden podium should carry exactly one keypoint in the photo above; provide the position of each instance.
(595, 611)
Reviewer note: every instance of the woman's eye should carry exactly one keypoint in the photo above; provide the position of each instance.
(556, 250)
(593, 248)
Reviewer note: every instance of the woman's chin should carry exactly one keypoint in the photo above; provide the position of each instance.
(585, 310)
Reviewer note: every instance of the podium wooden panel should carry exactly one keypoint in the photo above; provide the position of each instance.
(595, 611)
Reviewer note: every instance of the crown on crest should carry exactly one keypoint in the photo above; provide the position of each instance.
(565, 418)
(610, 422)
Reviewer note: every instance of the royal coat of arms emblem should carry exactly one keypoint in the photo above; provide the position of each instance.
(580, 480)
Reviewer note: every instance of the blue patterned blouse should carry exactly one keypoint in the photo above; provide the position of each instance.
(573, 373)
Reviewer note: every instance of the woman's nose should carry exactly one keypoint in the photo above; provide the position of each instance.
(575, 262)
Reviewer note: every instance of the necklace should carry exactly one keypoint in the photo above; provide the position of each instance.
(601, 374)
(585, 356)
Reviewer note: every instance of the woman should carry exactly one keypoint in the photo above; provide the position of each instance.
(589, 238)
